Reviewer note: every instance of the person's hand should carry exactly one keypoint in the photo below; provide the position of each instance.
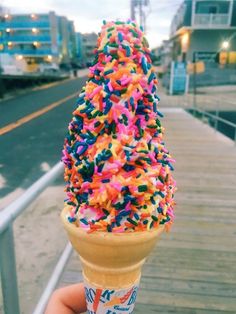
(67, 300)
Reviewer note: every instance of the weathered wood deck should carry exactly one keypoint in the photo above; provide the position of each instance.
(193, 268)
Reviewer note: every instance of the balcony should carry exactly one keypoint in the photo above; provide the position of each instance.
(211, 20)
(25, 24)
(30, 52)
(29, 39)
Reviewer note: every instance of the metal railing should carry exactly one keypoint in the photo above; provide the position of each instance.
(40, 307)
(7, 252)
(25, 24)
(35, 52)
(28, 38)
(211, 20)
(216, 119)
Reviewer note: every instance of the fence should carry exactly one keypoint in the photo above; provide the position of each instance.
(215, 118)
(214, 74)
(7, 252)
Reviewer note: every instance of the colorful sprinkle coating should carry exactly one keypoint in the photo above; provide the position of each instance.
(117, 169)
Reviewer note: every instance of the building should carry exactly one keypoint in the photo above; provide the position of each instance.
(86, 43)
(38, 38)
(67, 39)
(162, 56)
(202, 28)
(79, 48)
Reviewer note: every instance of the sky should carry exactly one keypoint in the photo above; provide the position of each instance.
(88, 15)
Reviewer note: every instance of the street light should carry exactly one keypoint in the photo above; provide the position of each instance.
(225, 44)
(19, 57)
(224, 54)
(184, 45)
(34, 30)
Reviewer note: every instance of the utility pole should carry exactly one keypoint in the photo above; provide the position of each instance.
(132, 9)
(139, 4)
(2, 89)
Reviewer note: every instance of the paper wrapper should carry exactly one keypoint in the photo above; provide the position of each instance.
(100, 300)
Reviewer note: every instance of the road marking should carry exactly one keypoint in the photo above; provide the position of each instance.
(45, 167)
(34, 115)
(2, 181)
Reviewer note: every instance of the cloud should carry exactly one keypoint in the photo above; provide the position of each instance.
(109, 9)
(88, 15)
(28, 6)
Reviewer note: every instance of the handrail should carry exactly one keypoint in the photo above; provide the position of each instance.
(7, 251)
(216, 118)
(11, 212)
(52, 283)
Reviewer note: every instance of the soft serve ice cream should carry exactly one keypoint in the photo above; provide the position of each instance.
(117, 169)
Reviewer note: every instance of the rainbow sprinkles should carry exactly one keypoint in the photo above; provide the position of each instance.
(117, 169)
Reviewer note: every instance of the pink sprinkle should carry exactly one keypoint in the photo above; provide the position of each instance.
(118, 229)
(117, 186)
(85, 185)
(96, 91)
(92, 69)
(126, 80)
(137, 95)
(107, 58)
(122, 129)
(159, 185)
(110, 86)
(152, 157)
(127, 207)
(165, 150)
(118, 163)
(170, 160)
(150, 87)
(170, 212)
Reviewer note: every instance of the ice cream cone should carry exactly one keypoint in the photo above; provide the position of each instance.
(117, 170)
(111, 265)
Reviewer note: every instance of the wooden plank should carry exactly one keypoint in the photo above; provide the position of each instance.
(187, 300)
(189, 274)
(166, 309)
(196, 287)
(192, 269)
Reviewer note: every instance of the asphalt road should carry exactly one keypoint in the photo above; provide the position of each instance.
(31, 147)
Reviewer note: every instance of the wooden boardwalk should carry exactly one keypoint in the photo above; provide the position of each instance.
(193, 268)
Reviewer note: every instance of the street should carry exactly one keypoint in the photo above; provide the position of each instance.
(33, 145)
(33, 127)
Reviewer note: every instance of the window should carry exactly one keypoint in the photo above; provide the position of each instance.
(212, 7)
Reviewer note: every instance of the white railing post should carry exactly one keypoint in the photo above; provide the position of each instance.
(8, 272)
(7, 250)
(52, 283)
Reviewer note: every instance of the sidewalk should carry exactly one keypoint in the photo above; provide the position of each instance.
(192, 269)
